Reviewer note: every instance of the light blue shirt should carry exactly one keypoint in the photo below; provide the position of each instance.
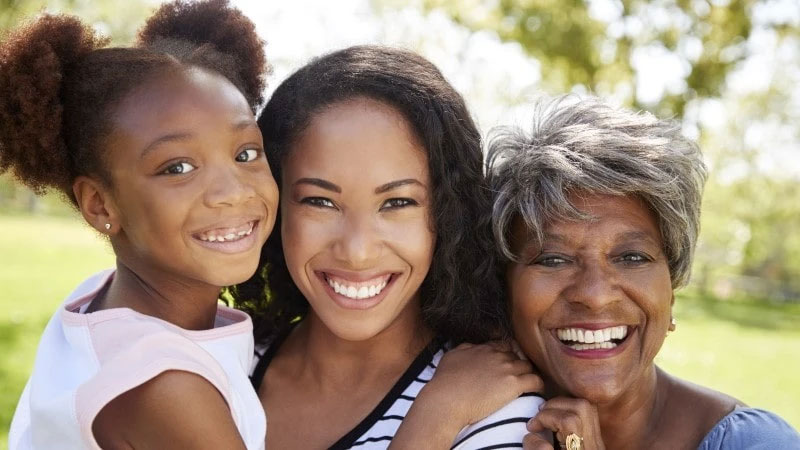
(750, 428)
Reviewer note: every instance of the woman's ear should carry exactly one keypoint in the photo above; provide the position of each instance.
(97, 205)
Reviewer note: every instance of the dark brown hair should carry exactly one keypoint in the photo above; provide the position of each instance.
(59, 84)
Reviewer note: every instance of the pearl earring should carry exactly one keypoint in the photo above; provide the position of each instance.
(108, 226)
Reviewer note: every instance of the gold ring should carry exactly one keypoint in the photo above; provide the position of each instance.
(574, 442)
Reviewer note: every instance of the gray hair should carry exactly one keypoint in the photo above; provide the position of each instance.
(588, 146)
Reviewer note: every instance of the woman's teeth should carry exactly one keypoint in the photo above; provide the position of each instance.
(360, 290)
(582, 339)
(227, 234)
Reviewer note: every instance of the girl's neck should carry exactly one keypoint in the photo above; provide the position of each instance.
(189, 304)
(330, 360)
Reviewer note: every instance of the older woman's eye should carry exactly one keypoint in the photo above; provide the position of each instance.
(634, 258)
(319, 202)
(550, 260)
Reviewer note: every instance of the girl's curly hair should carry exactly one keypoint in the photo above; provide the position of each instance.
(459, 294)
(60, 84)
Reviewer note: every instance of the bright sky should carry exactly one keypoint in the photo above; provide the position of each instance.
(498, 79)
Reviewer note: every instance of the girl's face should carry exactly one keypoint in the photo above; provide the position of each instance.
(191, 187)
(356, 218)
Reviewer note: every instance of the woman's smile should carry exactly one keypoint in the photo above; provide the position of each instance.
(357, 291)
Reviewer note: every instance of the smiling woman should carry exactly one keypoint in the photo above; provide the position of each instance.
(597, 212)
(384, 262)
(158, 148)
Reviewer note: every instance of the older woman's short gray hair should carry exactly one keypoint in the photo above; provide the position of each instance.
(588, 146)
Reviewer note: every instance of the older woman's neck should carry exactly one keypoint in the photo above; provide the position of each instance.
(632, 421)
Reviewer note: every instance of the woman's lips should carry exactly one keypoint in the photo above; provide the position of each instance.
(357, 294)
(593, 341)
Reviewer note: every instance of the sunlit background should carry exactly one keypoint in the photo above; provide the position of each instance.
(729, 70)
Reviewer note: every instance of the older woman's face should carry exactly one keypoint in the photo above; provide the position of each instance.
(592, 304)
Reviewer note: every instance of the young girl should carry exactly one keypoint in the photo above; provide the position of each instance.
(158, 148)
(383, 262)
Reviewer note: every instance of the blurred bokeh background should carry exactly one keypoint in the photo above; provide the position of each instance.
(728, 70)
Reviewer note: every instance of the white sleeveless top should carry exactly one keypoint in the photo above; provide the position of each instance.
(86, 360)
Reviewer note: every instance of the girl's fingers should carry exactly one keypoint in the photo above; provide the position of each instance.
(530, 382)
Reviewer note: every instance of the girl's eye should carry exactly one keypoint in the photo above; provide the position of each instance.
(320, 202)
(178, 168)
(247, 155)
(549, 260)
(394, 203)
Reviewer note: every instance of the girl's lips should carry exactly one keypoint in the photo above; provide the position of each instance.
(232, 242)
(345, 298)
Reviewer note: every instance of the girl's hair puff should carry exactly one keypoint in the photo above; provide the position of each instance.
(59, 85)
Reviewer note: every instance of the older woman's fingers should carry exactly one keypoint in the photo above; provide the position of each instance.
(562, 422)
(583, 407)
(533, 441)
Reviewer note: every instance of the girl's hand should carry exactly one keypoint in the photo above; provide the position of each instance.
(471, 382)
(564, 417)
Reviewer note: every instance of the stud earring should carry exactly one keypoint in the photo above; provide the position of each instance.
(108, 226)
(672, 325)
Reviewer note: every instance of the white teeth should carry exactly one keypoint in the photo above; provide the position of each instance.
(591, 339)
(361, 292)
(229, 236)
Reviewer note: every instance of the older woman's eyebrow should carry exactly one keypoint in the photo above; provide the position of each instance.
(319, 182)
(636, 236)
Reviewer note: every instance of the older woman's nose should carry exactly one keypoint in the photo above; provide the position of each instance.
(594, 285)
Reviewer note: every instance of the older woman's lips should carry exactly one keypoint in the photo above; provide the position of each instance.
(592, 342)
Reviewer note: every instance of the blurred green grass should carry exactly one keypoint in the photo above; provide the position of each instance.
(747, 349)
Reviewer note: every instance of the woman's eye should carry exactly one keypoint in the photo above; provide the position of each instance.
(320, 202)
(247, 155)
(549, 261)
(394, 203)
(178, 168)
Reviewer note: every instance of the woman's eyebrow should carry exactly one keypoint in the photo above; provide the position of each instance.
(319, 182)
(172, 137)
(396, 184)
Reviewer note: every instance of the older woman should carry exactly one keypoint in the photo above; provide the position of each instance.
(597, 210)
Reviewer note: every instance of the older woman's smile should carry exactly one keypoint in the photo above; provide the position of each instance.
(591, 338)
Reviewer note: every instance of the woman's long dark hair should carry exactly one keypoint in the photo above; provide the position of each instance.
(459, 296)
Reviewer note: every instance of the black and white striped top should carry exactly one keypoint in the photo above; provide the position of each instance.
(503, 429)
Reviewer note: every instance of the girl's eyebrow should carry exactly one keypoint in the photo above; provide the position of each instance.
(396, 184)
(173, 137)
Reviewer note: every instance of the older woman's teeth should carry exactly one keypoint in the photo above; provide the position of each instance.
(227, 234)
(582, 339)
(360, 290)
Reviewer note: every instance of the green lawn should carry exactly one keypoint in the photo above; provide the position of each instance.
(746, 349)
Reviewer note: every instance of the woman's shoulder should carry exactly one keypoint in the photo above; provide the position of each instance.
(745, 428)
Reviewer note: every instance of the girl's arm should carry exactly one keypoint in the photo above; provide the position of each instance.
(471, 382)
(175, 409)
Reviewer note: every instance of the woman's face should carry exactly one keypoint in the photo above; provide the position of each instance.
(591, 306)
(356, 219)
(192, 188)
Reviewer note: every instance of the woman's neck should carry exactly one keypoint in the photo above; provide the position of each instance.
(328, 360)
(188, 304)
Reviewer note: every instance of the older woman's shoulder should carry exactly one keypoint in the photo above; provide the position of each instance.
(747, 428)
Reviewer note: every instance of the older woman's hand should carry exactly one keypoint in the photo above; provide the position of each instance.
(565, 416)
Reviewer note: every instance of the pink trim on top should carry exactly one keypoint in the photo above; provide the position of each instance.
(69, 317)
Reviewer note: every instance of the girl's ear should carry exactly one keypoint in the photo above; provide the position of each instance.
(97, 205)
